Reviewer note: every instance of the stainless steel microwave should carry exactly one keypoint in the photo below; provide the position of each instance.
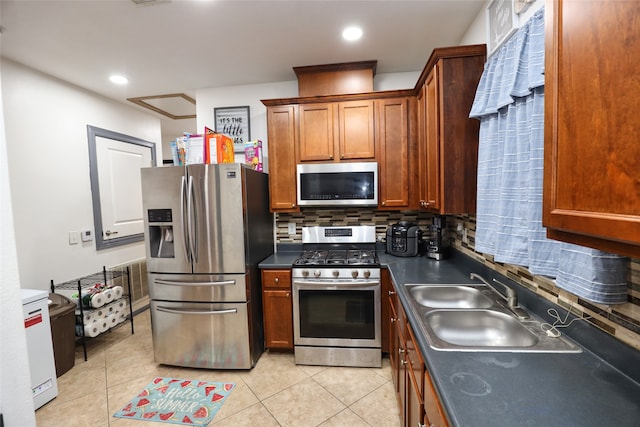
(338, 184)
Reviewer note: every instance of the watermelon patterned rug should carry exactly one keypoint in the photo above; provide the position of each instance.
(177, 401)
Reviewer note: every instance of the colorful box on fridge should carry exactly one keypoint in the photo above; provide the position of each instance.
(218, 147)
(253, 154)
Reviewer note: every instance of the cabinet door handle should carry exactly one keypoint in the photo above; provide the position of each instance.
(277, 280)
(394, 320)
(403, 362)
(401, 351)
(392, 293)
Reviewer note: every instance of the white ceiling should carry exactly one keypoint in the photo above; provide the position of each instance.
(180, 46)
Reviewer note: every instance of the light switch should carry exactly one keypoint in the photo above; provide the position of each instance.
(74, 237)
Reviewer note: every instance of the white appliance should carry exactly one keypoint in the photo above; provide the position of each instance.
(35, 310)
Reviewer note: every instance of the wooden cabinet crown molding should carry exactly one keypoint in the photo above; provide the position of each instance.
(334, 79)
(448, 52)
(338, 98)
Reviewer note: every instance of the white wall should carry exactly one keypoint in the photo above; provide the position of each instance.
(477, 31)
(230, 96)
(46, 132)
(16, 401)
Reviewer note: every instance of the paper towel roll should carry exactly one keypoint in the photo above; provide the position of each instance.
(91, 330)
(122, 316)
(117, 292)
(108, 295)
(102, 325)
(112, 320)
(87, 317)
(110, 309)
(97, 300)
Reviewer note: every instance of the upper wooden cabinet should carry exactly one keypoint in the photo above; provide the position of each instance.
(447, 137)
(336, 131)
(281, 131)
(396, 151)
(592, 133)
(343, 128)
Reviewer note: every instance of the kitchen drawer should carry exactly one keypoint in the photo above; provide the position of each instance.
(277, 279)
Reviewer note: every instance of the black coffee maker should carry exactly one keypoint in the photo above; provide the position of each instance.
(437, 245)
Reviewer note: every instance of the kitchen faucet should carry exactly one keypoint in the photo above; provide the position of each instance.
(511, 298)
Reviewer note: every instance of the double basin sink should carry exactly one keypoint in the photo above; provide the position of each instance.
(468, 317)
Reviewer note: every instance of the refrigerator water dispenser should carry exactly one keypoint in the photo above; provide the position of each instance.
(161, 233)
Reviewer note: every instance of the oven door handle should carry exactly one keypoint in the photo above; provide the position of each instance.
(191, 311)
(346, 284)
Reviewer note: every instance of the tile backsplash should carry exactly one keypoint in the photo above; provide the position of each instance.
(621, 320)
(342, 217)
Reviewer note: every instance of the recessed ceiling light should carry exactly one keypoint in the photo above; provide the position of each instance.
(119, 80)
(352, 33)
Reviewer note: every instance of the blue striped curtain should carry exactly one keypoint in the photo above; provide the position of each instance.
(509, 103)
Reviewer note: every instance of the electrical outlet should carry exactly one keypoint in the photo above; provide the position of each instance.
(465, 237)
(291, 228)
(74, 237)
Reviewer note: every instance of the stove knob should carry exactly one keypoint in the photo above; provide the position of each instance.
(316, 273)
(367, 273)
(354, 274)
(335, 273)
(305, 273)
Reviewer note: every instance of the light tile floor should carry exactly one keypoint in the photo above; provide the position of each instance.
(276, 392)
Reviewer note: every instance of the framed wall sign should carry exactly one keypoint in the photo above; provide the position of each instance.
(234, 122)
(502, 22)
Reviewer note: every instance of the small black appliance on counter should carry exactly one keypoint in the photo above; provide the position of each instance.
(437, 245)
(404, 239)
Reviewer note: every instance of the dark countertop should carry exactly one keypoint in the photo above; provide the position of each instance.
(279, 260)
(598, 387)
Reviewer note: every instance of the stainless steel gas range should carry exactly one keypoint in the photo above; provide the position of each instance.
(336, 298)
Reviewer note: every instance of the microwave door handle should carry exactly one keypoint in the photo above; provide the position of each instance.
(183, 224)
(179, 283)
(191, 311)
(191, 221)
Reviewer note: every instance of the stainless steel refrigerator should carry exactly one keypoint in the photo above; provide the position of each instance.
(206, 229)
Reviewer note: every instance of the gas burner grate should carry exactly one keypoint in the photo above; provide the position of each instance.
(337, 257)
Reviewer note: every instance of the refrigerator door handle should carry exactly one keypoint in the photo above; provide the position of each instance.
(190, 311)
(179, 283)
(192, 221)
(183, 225)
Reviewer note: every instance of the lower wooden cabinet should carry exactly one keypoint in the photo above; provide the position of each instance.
(433, 411)
(277, 309)
(418, 401)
